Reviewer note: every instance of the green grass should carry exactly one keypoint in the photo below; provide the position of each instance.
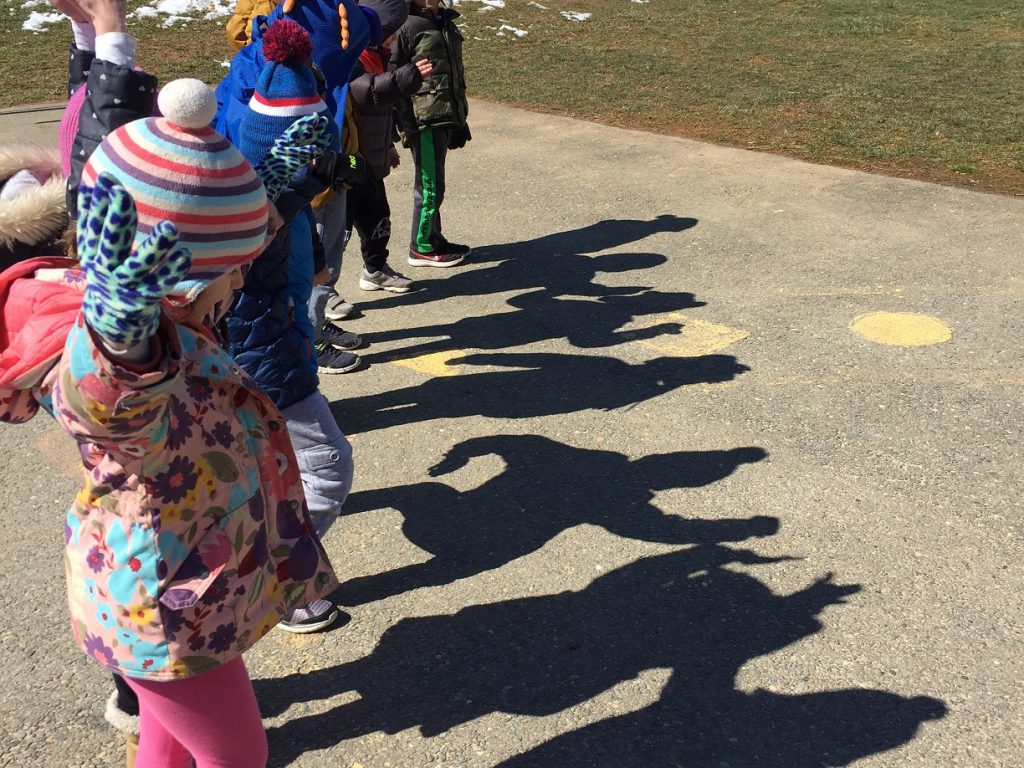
(927, 89)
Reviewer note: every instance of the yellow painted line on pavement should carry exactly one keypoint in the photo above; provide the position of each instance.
(901, 329)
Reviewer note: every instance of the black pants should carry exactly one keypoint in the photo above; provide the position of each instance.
(127, 701)
(429, 150)
(368, 212)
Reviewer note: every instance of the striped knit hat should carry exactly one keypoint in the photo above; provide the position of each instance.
(178, 169)
(285, 90)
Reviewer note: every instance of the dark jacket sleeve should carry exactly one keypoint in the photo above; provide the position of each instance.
(299, 193)
(78, 67)
(386, 89)
(115, 95)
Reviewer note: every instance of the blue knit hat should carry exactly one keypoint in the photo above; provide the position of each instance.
(285, 90)
(339, 32)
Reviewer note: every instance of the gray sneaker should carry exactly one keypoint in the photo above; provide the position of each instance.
(318, 615)
(385, 280)
(337, 308)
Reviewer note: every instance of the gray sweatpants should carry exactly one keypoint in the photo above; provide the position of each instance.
(325, 458)
(331, 225)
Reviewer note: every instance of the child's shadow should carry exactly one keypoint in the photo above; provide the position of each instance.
(546, 488)
(685, 611)
(545, 384)
(558, 263)
(584, 323)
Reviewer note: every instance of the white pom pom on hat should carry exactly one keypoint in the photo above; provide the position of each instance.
(188, 103)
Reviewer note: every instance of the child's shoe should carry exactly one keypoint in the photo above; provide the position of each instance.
(339, 339)
(337, 308)
(333, 360)
(384, 280)
(455, 248)
(318, 615)
(435, 259)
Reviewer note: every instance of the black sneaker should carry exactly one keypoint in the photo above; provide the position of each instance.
(435, 259)
(340, 339)
(456, 249)
(332, 360)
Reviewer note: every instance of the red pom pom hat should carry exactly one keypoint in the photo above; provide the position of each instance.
(285, 90)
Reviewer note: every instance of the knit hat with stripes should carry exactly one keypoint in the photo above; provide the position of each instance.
(285, 90)
(178, 169)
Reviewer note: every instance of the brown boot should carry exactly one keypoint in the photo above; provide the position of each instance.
(127, 725)
(131, 749)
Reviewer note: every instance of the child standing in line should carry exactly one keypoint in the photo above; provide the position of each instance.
(190, 538)
(433, 120)
(375, 92)
(267, 328)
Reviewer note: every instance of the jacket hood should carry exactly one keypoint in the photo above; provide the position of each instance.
(39, 302)
(393, 14)
(37, 215)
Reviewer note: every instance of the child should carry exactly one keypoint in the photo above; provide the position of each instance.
(375, 93)
(339, 33)
(267, 328)
(432, 121)
(32, 211)
(190, 538)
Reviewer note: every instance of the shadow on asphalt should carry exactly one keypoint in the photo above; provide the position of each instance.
(699, 612)
(584, 323)
(533, 385)
(546, 488)
(558, 264)
(686, 611)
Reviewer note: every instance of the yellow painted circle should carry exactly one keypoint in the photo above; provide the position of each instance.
(902, 329)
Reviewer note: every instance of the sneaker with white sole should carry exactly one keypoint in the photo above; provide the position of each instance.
(337, 308)
(435, 259)
(340, 339)
(332, 360)
(318, 615)
(384, 280)
(454, 248)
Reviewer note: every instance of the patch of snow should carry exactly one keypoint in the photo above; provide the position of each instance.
(576, 15)
(509, 28)
(38, 22)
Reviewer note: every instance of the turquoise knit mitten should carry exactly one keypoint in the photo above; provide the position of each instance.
(304, 140)
(124, 287)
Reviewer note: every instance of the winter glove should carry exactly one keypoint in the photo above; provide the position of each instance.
(459, 137)
(336, 170)
(304, 140)
(124, 288)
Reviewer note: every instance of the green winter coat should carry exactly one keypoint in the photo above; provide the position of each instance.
(441, 100)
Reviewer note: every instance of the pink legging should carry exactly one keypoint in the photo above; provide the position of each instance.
(211, 718)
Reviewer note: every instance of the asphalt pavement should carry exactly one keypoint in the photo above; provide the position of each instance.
(705, 458)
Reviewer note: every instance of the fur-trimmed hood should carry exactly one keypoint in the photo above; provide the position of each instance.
(37, 215)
